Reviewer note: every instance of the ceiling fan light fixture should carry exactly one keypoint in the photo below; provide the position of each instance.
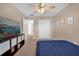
(42, 7)
(41, 10)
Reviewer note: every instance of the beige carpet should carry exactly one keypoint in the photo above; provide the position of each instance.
(29, 48)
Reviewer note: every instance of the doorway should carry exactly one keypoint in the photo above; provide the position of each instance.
(28, 26)
(44, 28)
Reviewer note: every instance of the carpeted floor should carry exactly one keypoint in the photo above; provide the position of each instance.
(29, 48)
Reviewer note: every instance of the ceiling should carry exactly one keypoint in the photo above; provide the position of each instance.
(28, 9)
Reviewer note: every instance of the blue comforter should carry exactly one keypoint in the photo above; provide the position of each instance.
(56, 48)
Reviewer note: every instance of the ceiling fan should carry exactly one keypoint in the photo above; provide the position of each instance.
(42, 7)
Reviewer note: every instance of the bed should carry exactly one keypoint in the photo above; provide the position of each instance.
(56, 48)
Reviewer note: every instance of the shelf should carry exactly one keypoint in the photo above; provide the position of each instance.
(11, 45)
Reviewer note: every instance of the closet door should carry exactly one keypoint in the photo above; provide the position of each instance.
(44, 28)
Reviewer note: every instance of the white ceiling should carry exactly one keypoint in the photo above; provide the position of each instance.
(28, 10)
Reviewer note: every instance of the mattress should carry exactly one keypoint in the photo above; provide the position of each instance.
(56, 48)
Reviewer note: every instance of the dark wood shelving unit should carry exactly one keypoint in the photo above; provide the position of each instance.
(16, 42)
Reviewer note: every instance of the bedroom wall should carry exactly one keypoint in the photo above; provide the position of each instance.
(68, 32)
(7, 10)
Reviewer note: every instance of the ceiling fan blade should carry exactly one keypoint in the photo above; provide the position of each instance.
(51, 7)
(31, 4)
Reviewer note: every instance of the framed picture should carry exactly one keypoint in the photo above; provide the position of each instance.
(71, 20)
(62, 22)
(57, 23)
